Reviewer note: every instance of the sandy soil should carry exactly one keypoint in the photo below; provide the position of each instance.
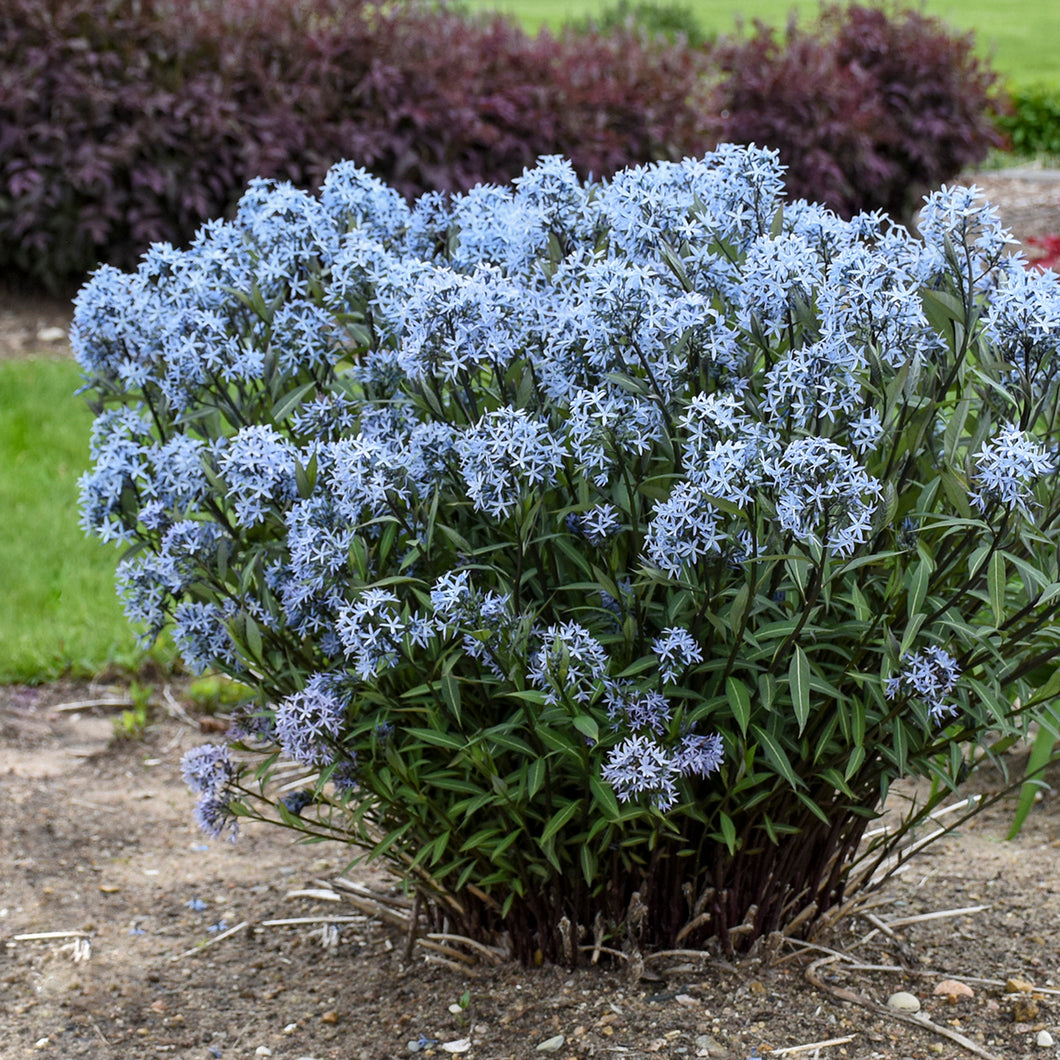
(97, 843)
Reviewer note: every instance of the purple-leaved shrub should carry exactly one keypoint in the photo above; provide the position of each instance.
(600, 552)
(869, 107)
(126, 122)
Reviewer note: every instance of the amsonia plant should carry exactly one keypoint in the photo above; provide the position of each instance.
(601, 553)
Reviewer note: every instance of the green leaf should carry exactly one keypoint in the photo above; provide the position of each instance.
(739, 702)
(955, 428)
(588, 863)
(776, 756)
(586, 725)
(535, 777)
(605, 798)
(862, 611)
(1041, 755)
(439, 738)
(451, 694)
(728, 831)
(911, 631)
(305, 477)
(558, 820)
(799, 680)
(919, 584)
(854, 763)
(283, 408)
(253, 638)
(996, 578)
(956, 490)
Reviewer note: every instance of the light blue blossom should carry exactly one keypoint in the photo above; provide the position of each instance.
(596, 525)
(640, 765)
(119, 448)
(677, 651)
(200, 632)
(930, 674)
(505, 454)
(1006, 470)
(685, 528)
(309, 723)
(699, 756)
(372, 630)
(605, 426)
(823, 494)
(354, 198)
(780, 274)
(639, 709)
(211, 774)
(962, 216)
(570, 664)
(1023, 321)
(259, 468)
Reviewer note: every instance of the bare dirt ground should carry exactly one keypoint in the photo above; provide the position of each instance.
(125, 934)
(114, 911)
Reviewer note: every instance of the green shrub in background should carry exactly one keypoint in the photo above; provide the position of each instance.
(1031, 121)
(675, 21)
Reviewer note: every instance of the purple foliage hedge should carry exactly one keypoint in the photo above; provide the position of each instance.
(124, 122)
(869, 108)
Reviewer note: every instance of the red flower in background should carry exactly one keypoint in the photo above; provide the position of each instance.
(1049, 258)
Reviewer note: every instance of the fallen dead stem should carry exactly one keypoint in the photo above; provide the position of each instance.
(851, 964)
(211, 942)
(914, 1020)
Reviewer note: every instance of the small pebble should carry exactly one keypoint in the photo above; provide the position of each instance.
(1025, 1009)
(1018, 986)
(461, 1045)
(552, 1045)
(51, 335)
(711, 1046)
(953, 990)
(414, 1046)
(263, 1050)
(330, 1017)
(903, 1001)
(1044, 1040)
(290, 1028)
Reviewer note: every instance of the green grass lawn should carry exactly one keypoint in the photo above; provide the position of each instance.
(1021, 36)
(58, 609)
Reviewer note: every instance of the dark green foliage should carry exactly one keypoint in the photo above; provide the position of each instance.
(658, 17)
(125, 122)
(1031, 121)
(869, 108)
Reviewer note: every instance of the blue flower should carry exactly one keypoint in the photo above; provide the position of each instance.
(309, 723)
(931, 675)
(569, 664)
(210, 772)
(677, 650)
(1006, 470)
(823, 494)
